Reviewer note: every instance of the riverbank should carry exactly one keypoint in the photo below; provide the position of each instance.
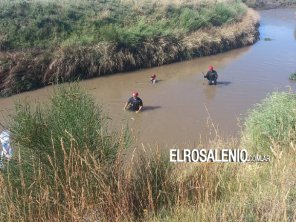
(270, 4)
(177, 33)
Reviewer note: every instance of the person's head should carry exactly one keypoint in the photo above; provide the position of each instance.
(135, 94)
(153, 76)
(211, 68)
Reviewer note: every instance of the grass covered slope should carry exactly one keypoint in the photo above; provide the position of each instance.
(272, 122)
(44, 24)
(43, 42)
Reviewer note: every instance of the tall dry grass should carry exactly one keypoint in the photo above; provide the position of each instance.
(253, 192)
(149, 188)
(86, 189)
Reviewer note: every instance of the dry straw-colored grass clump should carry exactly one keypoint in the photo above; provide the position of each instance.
(215, 40)
(149, 188)
(109, 57)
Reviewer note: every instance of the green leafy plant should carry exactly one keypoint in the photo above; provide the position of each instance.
(272, 121)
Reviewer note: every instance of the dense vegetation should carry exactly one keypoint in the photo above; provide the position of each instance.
(293, 76)
(272, 122)
(76, 171)
(48, 41)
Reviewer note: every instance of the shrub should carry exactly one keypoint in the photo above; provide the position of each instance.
(272, 121)
(44, 132)
(293, 76)
(62, 146)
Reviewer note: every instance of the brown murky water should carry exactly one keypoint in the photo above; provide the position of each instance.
(178, 108)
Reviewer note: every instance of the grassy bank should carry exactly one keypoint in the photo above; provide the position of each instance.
(47, 41)
(269, 4)
(66, 169)
(293, 76)
(278, 111)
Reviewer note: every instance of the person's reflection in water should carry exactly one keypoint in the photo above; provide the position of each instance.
(295, 33)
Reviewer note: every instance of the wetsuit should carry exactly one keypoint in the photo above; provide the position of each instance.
(212, 76)
(134, 103)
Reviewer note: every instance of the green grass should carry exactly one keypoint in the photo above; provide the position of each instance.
(272, 121)
(293, 76)
(45, 24)
(55, 144)
(48, 131)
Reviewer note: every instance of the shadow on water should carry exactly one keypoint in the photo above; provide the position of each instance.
(150, 108)
(222, 83)
(225, 83)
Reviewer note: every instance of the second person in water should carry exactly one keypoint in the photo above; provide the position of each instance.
(211, 76)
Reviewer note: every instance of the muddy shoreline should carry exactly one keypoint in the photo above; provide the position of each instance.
(25, 71)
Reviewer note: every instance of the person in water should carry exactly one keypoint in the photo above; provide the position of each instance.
(153, 79)
(6, 152)
(212, 76)
(134, 103)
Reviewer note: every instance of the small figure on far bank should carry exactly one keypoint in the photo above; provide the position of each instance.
(153, 79)
(134, 103)
(212, 76)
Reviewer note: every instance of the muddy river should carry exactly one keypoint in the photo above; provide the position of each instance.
(181, 108)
